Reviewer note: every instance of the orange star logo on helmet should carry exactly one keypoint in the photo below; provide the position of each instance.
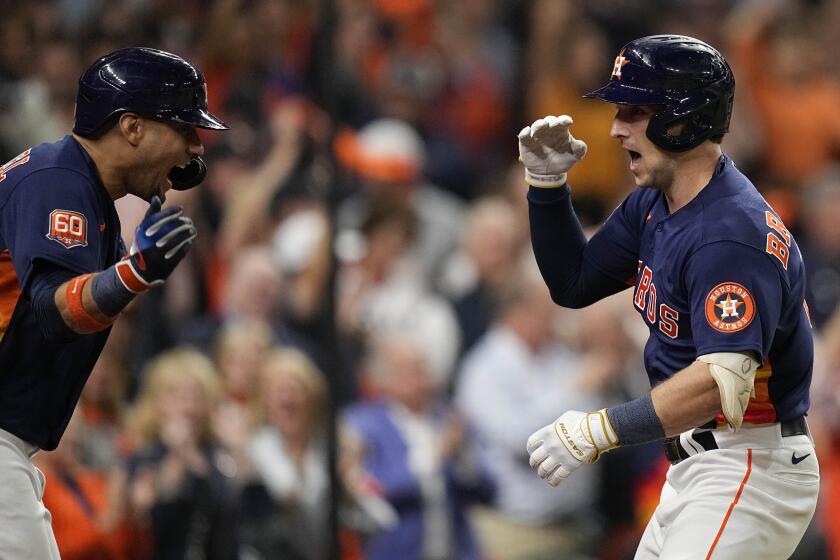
(729, 307)
(620, 61)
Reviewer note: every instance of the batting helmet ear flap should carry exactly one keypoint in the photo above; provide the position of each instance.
(678, 129)
(189, 176)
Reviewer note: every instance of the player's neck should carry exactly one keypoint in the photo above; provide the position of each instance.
(692, 173)
(109, 173)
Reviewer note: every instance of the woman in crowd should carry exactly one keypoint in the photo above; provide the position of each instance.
(177, 480)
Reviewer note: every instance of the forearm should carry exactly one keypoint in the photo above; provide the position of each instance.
(248, 210)
(63, 305)
(91, 302)
(560, 247)
(689, 399)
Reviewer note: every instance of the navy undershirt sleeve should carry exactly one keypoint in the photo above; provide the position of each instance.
(45, 281)
(565, 258)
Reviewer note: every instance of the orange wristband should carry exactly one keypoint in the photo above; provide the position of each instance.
(78, 313)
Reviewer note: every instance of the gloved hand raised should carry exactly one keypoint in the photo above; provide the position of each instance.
(548, 151)
(161, 240)
(575, 438)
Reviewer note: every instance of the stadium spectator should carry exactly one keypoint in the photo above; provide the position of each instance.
(79, 500)
(513, 379)
(285, 508)
(421, 454)
(488, 257)
(177, 481)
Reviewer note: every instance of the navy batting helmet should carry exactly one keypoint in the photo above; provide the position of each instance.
(153, 84)
(689, 79)
(145, 81)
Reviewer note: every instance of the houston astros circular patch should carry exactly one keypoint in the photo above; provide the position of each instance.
(729, 307)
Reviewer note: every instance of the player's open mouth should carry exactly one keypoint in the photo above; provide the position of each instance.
(173, 172)
(635, 157)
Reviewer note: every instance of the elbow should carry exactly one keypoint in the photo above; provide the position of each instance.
(50, 322)
(56, 334)
(568, 301)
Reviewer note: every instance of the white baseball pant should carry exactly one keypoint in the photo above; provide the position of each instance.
(25, 529)
(752, 498)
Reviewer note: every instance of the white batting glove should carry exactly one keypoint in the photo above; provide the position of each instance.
(548, 151)
(574, 439)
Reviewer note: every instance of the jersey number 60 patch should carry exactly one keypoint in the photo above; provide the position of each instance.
(68, 228)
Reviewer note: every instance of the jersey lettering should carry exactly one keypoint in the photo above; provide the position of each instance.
(645, 299)
(777, 225)
(669, 321)
(778, 247)
(19, 160)
(651, 304)
(642, 290)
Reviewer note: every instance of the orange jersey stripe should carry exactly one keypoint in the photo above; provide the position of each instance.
(9, 290)
(732, 505)
(760, 409)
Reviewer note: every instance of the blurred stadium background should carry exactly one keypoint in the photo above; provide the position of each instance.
(362, 291)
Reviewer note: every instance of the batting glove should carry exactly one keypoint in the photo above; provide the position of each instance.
(575, 438)
(548, 151)
(160, 242)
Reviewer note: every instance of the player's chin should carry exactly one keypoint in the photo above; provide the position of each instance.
(643, 181)
(638, 178)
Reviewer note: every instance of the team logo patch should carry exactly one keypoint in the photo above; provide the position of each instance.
(68, 228)
(729, 307)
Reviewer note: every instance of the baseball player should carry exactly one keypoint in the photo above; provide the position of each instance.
(64, 271)
(718, 280)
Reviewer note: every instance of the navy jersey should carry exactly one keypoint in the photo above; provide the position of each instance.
(721, 274)
(55, 215)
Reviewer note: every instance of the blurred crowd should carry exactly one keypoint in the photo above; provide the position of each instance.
(362, 291)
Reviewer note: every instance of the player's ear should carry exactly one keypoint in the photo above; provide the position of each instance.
(132, 127)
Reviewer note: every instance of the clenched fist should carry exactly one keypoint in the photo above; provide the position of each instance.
(548, 151)
(575, 438)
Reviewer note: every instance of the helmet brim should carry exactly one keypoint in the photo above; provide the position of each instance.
(626, 94)
(205, 119)
(200, 118)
